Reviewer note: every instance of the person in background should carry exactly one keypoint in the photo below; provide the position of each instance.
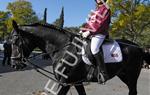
(7, 52)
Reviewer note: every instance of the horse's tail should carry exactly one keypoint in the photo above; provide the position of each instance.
(146, 57)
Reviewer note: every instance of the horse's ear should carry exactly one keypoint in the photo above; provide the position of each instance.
(15, 26)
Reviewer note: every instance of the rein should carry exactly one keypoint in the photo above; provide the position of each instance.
(36, 67)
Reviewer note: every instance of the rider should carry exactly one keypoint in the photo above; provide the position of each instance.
(97, 27)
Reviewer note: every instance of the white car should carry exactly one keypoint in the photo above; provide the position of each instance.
(1, 47)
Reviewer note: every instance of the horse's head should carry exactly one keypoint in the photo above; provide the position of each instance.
(26, 37)
(22, 46)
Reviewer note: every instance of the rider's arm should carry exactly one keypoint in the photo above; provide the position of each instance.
(98, 20)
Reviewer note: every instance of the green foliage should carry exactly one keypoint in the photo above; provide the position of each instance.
(44, 20)
(72, 29)
(45, 15)
(60, 21)
(22, 12)
(131, 20)
(4, 17)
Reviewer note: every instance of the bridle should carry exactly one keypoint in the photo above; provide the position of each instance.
(19, 48)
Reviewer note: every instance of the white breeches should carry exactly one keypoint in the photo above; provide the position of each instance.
(96, 42)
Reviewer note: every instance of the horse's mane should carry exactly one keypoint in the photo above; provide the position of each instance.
(51, 26)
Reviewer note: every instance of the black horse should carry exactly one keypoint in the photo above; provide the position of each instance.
(25, 42)
(128, 70)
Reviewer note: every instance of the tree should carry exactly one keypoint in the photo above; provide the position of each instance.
(60, 21)
(44, 20)
(131, 20)
(4, 16)
(72, 29)
(45, 15)
(22, 12)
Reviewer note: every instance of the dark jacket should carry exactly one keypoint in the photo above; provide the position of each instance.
(7, 49)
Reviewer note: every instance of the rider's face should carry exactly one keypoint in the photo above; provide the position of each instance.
(98, 1)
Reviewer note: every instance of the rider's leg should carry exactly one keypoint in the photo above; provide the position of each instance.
(96, 42)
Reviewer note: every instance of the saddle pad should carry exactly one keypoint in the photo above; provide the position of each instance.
(112, 52)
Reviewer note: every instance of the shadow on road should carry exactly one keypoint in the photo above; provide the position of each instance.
(38, 61)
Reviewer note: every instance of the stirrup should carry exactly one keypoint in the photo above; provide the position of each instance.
(90, 74)
(101, 79)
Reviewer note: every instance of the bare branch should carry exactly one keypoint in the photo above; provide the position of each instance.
(143, 27)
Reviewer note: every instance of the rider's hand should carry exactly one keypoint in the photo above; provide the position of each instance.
(85, 34)
(80, 32)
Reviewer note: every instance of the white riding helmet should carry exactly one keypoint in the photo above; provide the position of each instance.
(98, 1)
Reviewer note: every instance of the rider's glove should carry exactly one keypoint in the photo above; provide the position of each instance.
(80, 32)
(85, 34)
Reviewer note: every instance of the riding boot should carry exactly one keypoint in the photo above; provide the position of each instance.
(102, 73)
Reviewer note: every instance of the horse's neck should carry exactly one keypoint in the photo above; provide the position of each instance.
(46, 36)
(41, 44)
(52, 43)
(32, 41)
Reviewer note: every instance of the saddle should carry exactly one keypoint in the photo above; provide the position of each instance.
(110, 49)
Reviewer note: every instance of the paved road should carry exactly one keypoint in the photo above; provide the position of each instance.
(28, 81)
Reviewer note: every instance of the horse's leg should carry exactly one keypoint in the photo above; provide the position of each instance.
(80, 89)
(132, 69)
(64, 90)
(131, 83)
(130, 79)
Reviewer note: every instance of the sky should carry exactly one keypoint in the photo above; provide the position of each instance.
(75, 11)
